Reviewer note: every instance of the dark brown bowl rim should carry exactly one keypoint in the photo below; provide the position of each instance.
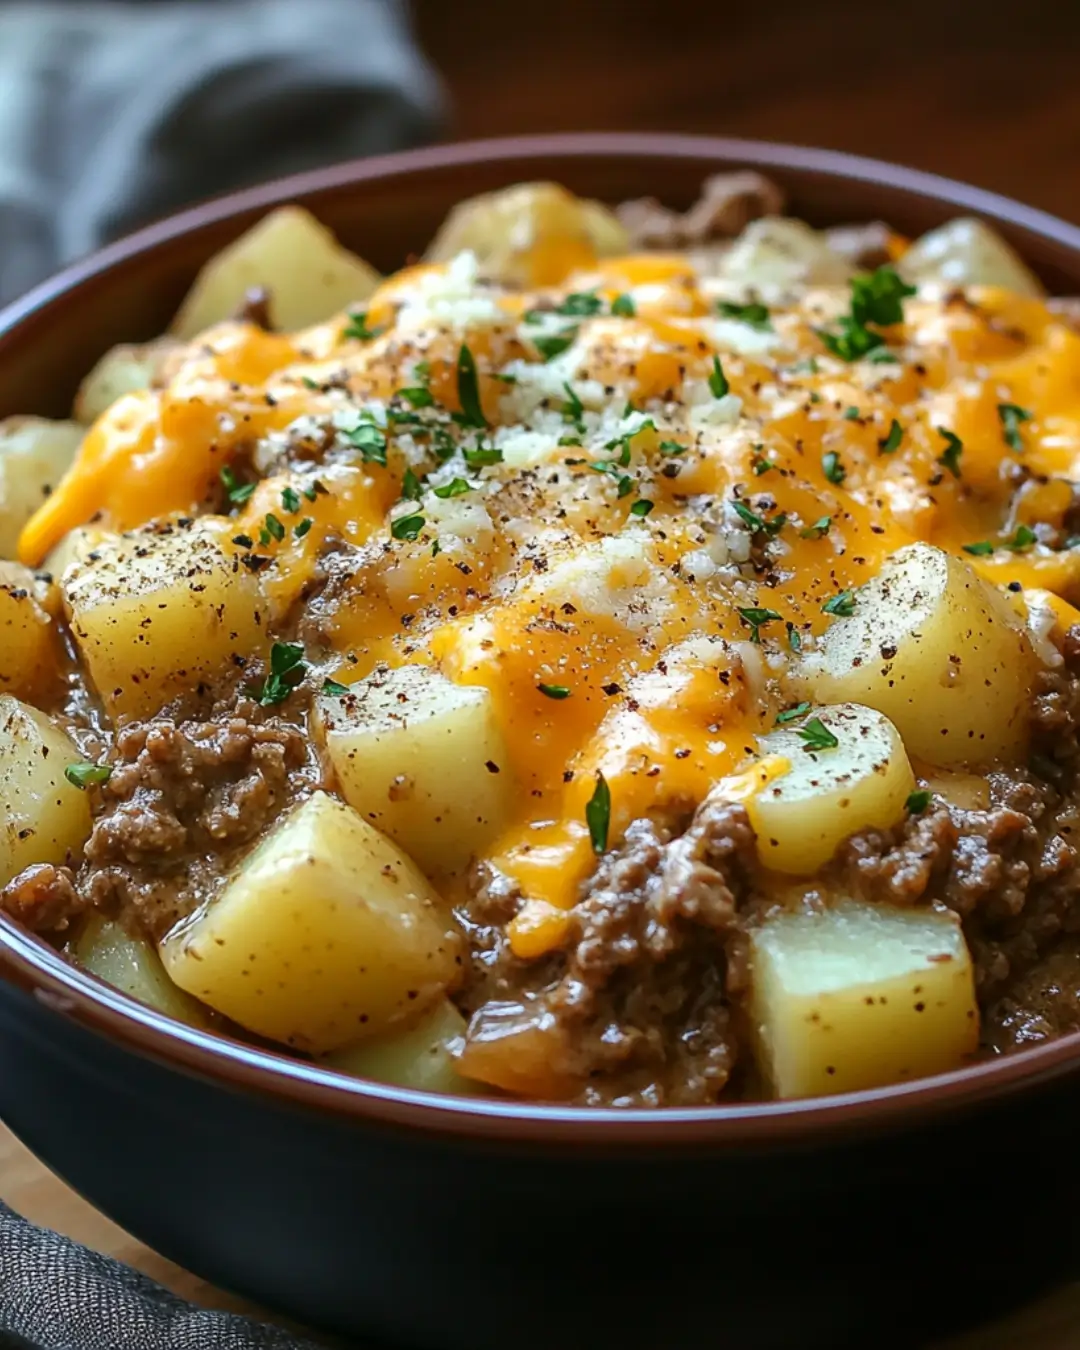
(31, 964)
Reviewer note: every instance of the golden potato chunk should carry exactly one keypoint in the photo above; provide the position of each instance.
(860, 996)
(939, 652)
(420, 1056)
(46, 819)
(421, 759)
(158, 612)
(848, 772)
(308, 274)
(967, 252)
(122, 370)
(132, 965)
(34, 456)
(325, 935)
(28, 650)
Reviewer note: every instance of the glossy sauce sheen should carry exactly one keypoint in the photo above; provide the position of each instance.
(549, 578)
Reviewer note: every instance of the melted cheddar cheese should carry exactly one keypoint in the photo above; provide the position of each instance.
(623, 527)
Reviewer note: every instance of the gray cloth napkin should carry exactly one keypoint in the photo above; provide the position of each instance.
(112, 114)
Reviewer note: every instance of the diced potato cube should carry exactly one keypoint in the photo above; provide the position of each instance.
(939, 652)
(860, 996)
(132, 965)
(34, 456)
(45, 818)
(308, 274)
(325, 935)
(863, 781)
(420, 1057)
(413, 753)
(122, 370)
(160, 611)
(28, 651)
(75, 546)
(967, 252)
(774, 256)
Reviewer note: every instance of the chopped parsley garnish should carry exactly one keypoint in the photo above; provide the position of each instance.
(309, 383)
(286, 671)
(468, 390)
(757, 316)
(300, 529)
(556, 691)
(761, 465)
(954, 448)
(410, 486)
(479, 456)
(598, 814)
(852, 414)
(407, 527)
(436, 549)
(555, 344)
(290, 500)
(581, 304)
(333, 689)
(816, 736)
(819, 528)
(792, 714)
(357, 327)
(980, 548)
(571, 438)
(875, 298)
(842, 604)
(1011, 415)
(417, 396)
(642, 507)
(852, 342)
(793, 638)
(573, 409)
(313, 491)
(1023, 539)
(833, 470)
(87, 775)
(370, 440)
(889, 444)
(756, 619)
(237, 492)
(454, 488)
(623, 307)
(718, 381)
(918, 801)
(673, 448)
(883, 357)
(754, 522)
(274, 527)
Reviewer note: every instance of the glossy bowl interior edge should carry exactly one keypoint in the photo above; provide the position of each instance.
(387, 208)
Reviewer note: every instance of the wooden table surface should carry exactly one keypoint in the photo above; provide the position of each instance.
(986, 92)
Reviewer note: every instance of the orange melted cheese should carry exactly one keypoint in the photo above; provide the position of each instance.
(602, 552)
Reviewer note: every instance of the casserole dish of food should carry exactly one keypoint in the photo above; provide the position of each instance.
(588, 712)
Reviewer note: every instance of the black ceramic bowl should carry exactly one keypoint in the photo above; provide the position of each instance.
(872, 1219)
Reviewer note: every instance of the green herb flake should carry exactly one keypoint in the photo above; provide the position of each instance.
(673, 448)
(833, 470)
(755, 619)
(287, 669)
(718, 381)
(792, 714)
(918, 801)
(556, 691)
(756, 316)
(819, 528)
(1011, 416)
(793, 638)
(370, 440)
(573, 409)
(417, 396)
(290, 500)
(454, 488)
(357, 327)
(623, 307)
(888, 445)
(816, 736)
(571, 438)
(407, 527)
(334, 690)
(468, 390)
(954, 448)
(598, 814)
(410, 486)
(980, 549)
(554, 345)
(878, 298)
(309, 383)
(642, 507)
(87, 775)
(761, 465)
(842, 604)
(237, 492)
(480, 456)
(581, 304)
(274, 527)
(302, 527)
(1023, 539)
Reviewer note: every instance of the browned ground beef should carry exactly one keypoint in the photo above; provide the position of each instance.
(184, 799)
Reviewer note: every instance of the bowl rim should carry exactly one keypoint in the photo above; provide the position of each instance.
(31, 964)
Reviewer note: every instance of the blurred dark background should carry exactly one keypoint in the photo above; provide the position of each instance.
(988, 92)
